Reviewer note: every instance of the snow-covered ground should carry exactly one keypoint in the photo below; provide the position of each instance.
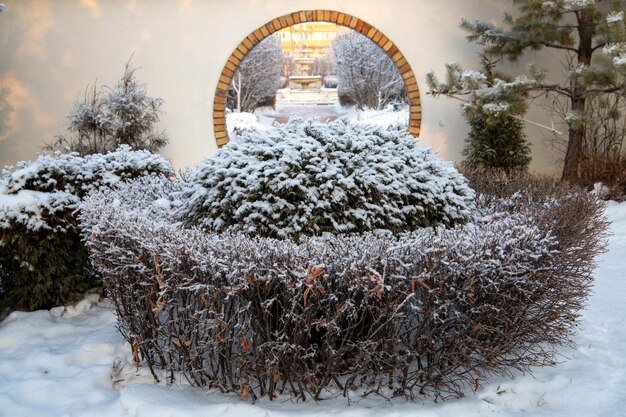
(72, 362)
(264, 117)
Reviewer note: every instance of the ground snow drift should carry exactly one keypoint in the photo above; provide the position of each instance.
(72, 362)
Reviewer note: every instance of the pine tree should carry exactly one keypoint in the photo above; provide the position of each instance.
(585, 32)
(493, 106)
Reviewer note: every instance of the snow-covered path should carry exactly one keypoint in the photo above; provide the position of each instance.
(60, 363)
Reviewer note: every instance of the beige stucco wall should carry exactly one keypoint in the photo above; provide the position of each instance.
(51, 50)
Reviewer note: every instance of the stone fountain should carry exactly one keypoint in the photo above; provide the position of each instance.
(306, 88)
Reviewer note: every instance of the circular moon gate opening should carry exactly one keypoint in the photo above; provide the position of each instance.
(304, 16)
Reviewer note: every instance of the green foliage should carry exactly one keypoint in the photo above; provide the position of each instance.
(309, 178)
(492, 103)
(43, 259)
(590, 36)
(496, 141)
(40, 269)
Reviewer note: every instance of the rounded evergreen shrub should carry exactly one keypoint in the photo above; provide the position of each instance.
(308, 178)
(43, 260)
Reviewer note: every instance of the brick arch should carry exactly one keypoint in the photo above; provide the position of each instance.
(304, 16)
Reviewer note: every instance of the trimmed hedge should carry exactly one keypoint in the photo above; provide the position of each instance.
(431, 312)
(43, 261)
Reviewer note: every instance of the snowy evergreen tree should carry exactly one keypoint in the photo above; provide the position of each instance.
(492, 106)
(590, 34)
(367, 76)
(258, 77)
(108, 118)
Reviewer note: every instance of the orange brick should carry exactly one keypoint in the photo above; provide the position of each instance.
(283, 22)
(353, 22)
(237, 54)
(327, 15)
(340, 18)
(407, 75)
(289, 19)
(412, 87)
(371, 32)
(242, 48)
(264, 31)
(333, 17)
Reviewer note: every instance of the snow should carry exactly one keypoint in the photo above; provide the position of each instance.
(614, 17)
(61, 362)
(390, 116)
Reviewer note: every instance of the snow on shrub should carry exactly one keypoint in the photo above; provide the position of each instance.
(430, 312)
(43, 261)
(308, 177)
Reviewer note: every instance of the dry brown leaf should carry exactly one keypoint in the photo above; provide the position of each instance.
(156, 308)
(245, 344)
(422, 284)
(306, 294)
(244, 391)
(136, 359)
(157, 269)
(379, 291)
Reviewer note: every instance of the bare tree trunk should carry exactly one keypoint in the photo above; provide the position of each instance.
(577, 133)
(238, 90)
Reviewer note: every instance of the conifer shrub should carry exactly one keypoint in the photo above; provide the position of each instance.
(306, 178)
(496, 141)
(43, 260)
(432, 312)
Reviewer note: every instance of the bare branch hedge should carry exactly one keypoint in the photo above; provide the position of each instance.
(431, 312)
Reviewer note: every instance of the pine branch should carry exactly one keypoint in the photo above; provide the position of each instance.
(557, 46)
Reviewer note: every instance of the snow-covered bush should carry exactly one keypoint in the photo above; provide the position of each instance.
(111, 117)
(308, 177)
(43, 261)
(431, 312)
